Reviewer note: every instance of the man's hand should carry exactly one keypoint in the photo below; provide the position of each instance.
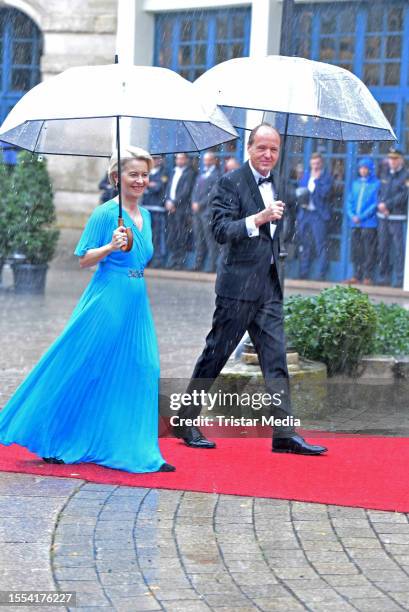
(170, 207)
(356, 219)
(272, 213)
(195, 207)
(382, 209)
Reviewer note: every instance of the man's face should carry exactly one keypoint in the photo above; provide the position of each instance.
(316, 165)
(231, 164)
(395, 163)
(157, 161)
(181, 160)
(209, 160)
(265, 150)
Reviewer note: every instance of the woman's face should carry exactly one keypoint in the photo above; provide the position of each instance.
(134, 178)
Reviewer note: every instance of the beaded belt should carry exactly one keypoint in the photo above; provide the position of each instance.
(132, 273)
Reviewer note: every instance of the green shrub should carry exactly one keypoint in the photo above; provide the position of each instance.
(336, 327)
(33, 210)
(392, 330)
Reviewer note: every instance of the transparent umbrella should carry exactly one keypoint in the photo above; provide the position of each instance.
(155, 108)
(300, 97)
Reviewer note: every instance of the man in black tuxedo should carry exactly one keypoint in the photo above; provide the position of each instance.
(178, 201)
(249, 295)
(201, 213)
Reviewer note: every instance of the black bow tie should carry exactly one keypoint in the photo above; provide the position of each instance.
(267, 179)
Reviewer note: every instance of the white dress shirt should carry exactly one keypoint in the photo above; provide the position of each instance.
(208, 172)
(311, 189)
(267, 193)
(175, 180)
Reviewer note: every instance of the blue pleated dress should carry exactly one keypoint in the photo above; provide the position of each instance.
(93, 396)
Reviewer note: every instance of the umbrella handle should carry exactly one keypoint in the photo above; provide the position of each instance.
(129, 233)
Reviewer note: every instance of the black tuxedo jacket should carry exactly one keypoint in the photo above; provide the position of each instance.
(183, 189)
(245, 262)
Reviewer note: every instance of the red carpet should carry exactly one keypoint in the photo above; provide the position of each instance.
(367, 472)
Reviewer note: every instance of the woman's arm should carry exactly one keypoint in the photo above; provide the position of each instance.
(93, 256)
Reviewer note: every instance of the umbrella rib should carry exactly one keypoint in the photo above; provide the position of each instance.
(190, 134)
(38, 136)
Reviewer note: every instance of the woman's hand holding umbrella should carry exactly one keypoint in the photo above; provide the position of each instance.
(119, 239)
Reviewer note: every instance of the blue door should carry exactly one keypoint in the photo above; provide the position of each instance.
(192, 42)
(371, 40)
(20, 52)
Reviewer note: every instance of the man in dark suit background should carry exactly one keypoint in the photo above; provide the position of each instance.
(178, 200)
(249, 295)
(154, 200)
(392, 217)
(313, 217)
(202, 213)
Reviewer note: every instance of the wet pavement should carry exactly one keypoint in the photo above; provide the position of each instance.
(123, 548)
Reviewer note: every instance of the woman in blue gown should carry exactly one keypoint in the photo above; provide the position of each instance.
(93, 396)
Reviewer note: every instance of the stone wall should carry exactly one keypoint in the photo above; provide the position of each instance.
(75, 33)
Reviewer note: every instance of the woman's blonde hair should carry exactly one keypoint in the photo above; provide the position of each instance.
(127, 154)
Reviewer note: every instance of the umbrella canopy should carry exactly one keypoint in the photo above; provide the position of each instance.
(72, 113)
(300, 97)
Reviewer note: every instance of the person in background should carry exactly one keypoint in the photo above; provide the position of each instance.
(154, 200)
(289, 222)
(108, 191)
(205, 243)
(9, 155)
(362, 206)
(313, 216)
(230, 164)
(392, 216)
(178, 201)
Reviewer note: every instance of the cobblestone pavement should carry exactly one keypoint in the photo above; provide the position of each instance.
(124, 548)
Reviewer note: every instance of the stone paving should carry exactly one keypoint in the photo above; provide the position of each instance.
(124, 548)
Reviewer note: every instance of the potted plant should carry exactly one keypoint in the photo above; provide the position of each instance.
(34, 234)
(5, 217)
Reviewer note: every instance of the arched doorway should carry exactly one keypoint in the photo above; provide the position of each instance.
(20, 53)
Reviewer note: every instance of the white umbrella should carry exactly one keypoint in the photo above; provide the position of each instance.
(72, 114)
(300, 97)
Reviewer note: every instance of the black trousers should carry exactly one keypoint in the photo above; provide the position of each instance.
(264, 321)
(391, 251)
(177, 237)
(205, 243)
(363, 252)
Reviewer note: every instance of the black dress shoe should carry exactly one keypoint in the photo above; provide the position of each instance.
(167, 467)
(53, 460)
(193, 437)
(296, 444)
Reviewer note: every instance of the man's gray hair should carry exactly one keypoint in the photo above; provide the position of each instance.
(256, 129)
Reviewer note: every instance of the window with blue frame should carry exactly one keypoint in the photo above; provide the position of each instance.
(20, 52)
(372, 40)
(192, 42)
